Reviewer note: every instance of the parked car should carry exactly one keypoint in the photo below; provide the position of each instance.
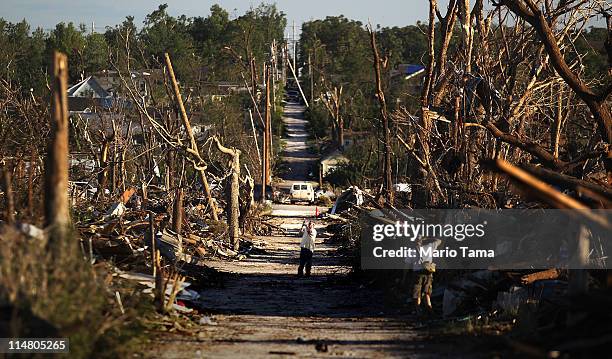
(302, 192)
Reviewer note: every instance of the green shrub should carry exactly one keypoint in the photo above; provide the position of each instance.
(344, 175)
(318, 121)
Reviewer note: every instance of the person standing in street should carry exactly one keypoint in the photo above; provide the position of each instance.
(307, 247)
(423, 269)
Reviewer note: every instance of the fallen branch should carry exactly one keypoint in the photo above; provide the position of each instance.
(566, 181)
(549, 195)
(547, 274)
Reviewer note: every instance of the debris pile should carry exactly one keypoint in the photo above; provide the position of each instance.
(127, 232)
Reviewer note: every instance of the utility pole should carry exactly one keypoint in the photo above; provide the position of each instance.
(294, 45)
(284, 67)
(265, 168)
(268, 128)
(310, 73)
(274, 68)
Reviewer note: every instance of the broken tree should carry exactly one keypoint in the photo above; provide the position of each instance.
(193, 144)
(57, 205)
(387, 182)
(232, 208)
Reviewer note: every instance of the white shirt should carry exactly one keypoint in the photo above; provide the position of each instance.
(308, 240)
(417, 263)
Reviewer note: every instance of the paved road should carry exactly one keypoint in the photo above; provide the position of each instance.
(299, 161)
(296, 210)
(296, 154)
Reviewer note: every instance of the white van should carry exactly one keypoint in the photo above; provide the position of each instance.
(302, 192)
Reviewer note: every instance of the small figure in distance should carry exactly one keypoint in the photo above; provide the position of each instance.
(307, 247)
(423, 271)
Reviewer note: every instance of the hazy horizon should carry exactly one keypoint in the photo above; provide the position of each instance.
(44, 14)
(112, 12)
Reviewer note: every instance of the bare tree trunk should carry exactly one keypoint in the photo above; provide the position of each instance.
(177, 211)
(9, 201)
(194, 145)
(234, 212)
(337, 122)
(556, 133)
(337, 98)
(153, 242)
(247, 200)
(264, 166)
(255, 136)
(579, 278)
(170, 169)
(468, 34)
(31, 174)
(253, 70)
(447, 24)
(103, 175)
(57, 210)
(266, 150)
(113, 170)
(430, 64)
(156, 264)
(122, 173)
(340, 130)
(387, 180)
(233, 209)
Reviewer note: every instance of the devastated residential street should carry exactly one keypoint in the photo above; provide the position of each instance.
(263, 309)
(320, 179)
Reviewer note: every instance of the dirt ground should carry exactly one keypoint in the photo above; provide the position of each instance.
(265, 310)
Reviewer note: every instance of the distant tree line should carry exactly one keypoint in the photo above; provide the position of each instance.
(196, 43)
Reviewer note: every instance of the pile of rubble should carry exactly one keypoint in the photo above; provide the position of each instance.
(120, 234)
(536, 308)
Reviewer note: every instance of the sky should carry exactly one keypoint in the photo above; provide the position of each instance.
(47, 13)
(102, 13)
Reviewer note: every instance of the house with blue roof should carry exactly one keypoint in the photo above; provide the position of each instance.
(407, 71)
